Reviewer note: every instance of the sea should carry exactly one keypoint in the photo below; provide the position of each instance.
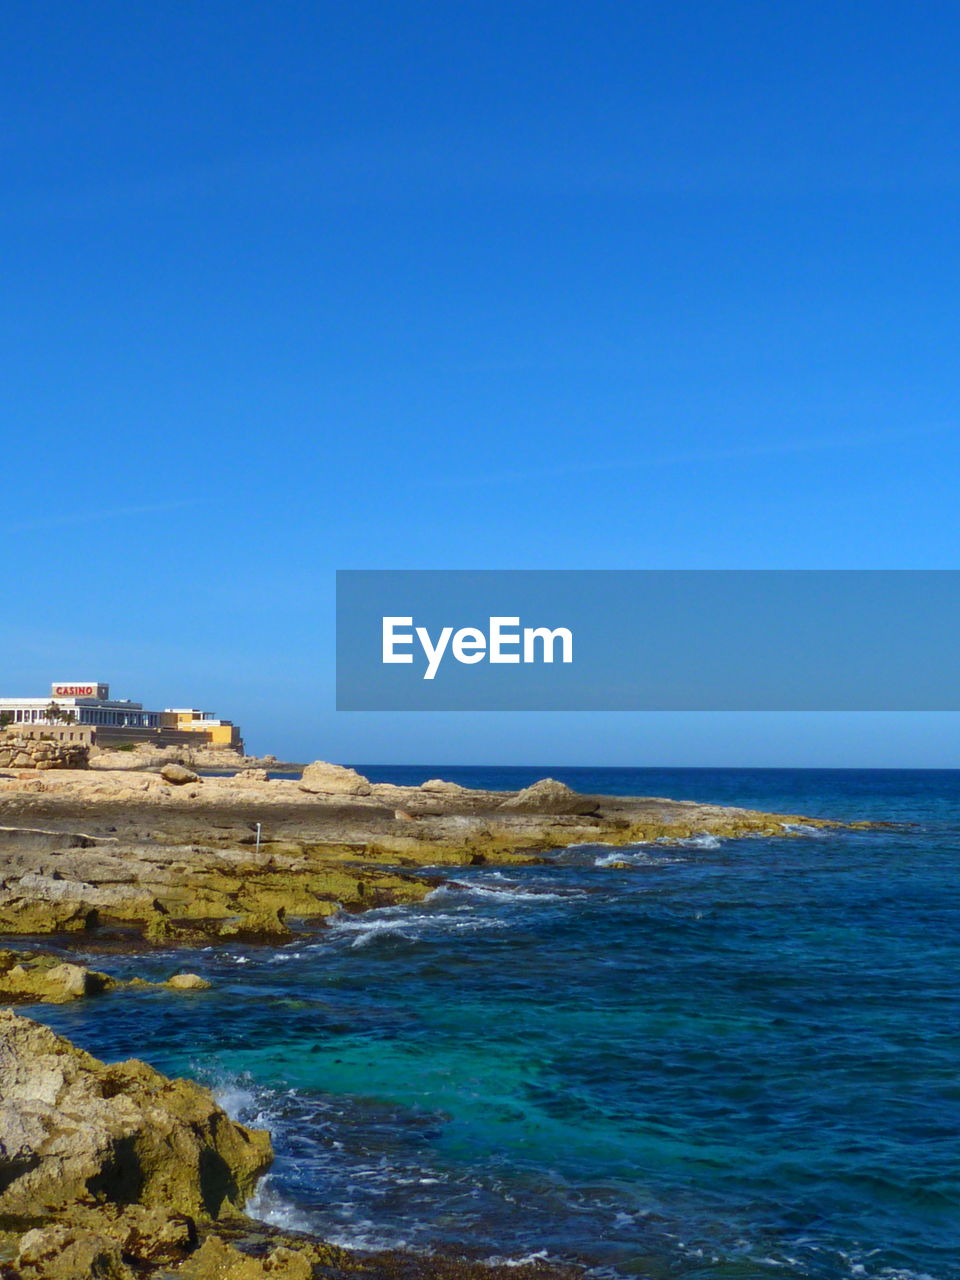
(712, 1058)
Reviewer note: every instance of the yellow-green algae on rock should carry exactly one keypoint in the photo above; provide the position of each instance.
(35, 977)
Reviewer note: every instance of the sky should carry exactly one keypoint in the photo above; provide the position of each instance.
(297, 287)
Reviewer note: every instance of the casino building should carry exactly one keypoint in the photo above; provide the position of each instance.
(87, 704)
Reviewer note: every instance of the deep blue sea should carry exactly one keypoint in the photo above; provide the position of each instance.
(732, 1059)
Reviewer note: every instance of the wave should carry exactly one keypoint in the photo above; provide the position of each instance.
(703, 841)
(527, 1260)
(652, 853)
(505, 892)
(632, 857)
(268, 1205)
(408, 924)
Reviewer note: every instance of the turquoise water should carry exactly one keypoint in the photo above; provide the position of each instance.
(733, 1058)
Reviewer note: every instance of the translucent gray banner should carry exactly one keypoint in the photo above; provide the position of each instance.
(648, 640)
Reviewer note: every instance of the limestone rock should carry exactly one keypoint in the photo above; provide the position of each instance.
(73, 1129)
(97, 1241)
(438, 784)
(248, 776)
(549, 796)
(69, 982)
(218, 1260)
(188, 982)
(178, 775)
(62, 1252)
(334, 779)
(25, 751)
(266, 922)
(24, 976)
(22, 914)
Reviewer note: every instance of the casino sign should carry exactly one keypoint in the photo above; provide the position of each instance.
(83, 690)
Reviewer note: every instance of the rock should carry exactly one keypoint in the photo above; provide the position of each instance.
(334, 779)
(188, 982)
(29, 977)
(264, 923)
(94, 1239)
(549, 796)
(151, 1235)
(23, 750)
(75, 1130)
(178, 775)
(19, 914)
(70, 982)
(251, 775)
(159, 928)
(62, 1252)
(438, 784)
(218, 1260)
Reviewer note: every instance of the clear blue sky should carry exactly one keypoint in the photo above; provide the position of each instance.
(292, 287)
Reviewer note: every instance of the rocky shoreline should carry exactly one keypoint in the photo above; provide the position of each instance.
(167, 856)
(117, 1172)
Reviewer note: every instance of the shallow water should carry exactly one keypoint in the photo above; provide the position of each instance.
(731, 1058)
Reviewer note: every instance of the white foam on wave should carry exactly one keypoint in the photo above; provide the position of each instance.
(525, 1261)
(241, 1102)
(634, 858)
(267, 1205)
(804, 829)
(408, 924)
(236, 1099)
(504, 892)
(703, 841)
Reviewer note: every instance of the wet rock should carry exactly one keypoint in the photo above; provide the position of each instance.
(188, 982)
(56, 984)
(548, 796)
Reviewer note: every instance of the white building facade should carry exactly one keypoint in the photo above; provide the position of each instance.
(89, 702)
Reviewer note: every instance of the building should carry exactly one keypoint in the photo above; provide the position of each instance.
(219, 733)
(114, 721)
(80, 702)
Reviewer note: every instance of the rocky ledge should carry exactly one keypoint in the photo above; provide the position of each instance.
(181, 857)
